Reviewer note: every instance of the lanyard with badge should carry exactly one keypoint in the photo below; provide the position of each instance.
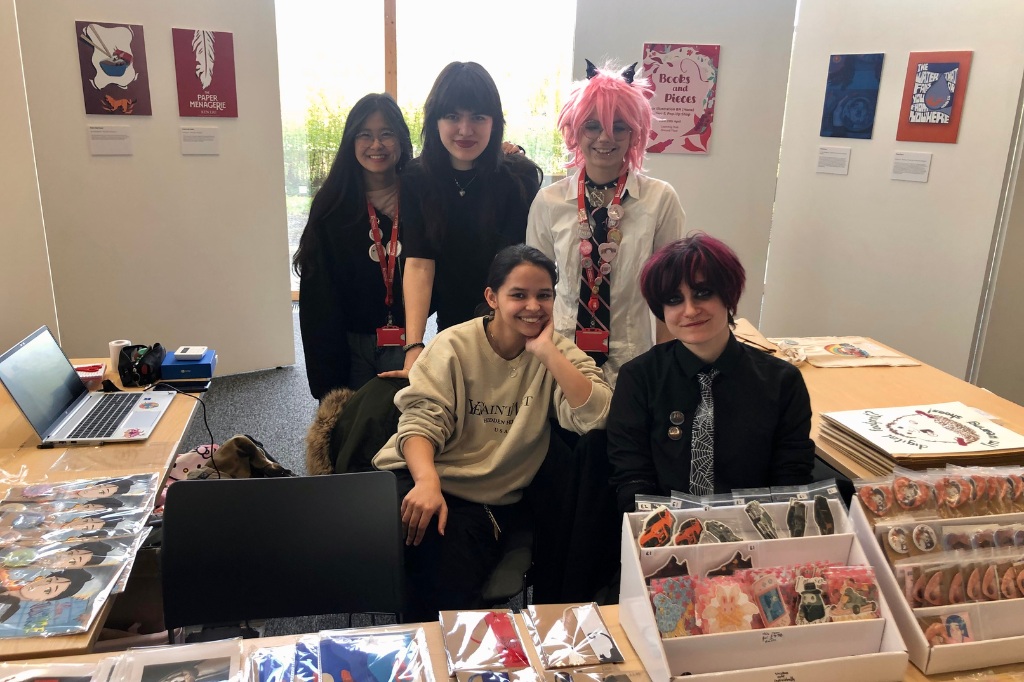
(389, 335)
(593, 339)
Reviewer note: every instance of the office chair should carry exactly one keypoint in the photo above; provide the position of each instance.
(240, 549)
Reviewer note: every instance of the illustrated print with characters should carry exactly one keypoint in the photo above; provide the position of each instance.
(934, 428)
(811, 607)
(112, 55)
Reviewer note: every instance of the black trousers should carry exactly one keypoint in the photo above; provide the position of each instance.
(447, 572)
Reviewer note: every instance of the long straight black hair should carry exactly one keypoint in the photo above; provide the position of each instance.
(467, 86)
(344, 185)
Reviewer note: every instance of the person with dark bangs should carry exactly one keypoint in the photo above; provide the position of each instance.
(463, 200)
(348, 259)
(703, 413)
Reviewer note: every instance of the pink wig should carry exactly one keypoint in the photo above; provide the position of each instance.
(607, 97)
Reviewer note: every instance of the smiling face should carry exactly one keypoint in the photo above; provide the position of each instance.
(83, 523)
(465, 134)
(377, 149)
(699, 319)
(43, 589)
(604, 150)
(523, 303)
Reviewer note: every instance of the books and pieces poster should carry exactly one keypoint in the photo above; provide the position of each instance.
(933, 96)
(684, 82)
(851, 95)
(204, 64)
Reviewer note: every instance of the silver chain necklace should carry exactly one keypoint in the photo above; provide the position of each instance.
(462, 189)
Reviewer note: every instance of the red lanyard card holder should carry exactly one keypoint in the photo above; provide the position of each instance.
(592, 340)
(389, 336)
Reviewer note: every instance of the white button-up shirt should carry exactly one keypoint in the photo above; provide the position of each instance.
(652, 217)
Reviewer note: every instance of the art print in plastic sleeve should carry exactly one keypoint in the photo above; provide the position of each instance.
(48, 672)
(762, 520)
(601, 676)
(724, 605)
(74, 506)
(208, 662)
(852, 592)
(392, 655)
(569, 635)
(85, 553)
(270, 664)
(60, 529)
(41, 602)
(482, 640)
(770, 601)
(95, 488)
(811, 607)
(524, 675)
(675, 608)
(307, 659)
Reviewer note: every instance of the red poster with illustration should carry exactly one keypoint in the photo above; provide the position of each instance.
(204, 62)
(933, 96)
(684, 80)
(112, 61)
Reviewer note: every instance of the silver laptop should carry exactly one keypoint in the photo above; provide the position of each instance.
(48, 391)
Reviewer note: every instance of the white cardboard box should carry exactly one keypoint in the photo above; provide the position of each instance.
(853, 651)
(998, 616)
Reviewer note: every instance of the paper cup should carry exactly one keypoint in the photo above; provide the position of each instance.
(115, 352)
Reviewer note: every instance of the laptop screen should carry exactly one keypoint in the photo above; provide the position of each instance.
(40, 379)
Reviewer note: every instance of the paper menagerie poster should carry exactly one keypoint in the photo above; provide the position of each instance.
(112, 60)
(684, 79)
(933, 96)
(204, 62)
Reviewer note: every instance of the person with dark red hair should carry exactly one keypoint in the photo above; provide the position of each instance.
(704, 413)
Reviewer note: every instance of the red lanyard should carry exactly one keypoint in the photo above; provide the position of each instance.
(608, 250)
(387, 261)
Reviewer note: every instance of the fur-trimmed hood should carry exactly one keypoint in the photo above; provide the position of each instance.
(318, 439)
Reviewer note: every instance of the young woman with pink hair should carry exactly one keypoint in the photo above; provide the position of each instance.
(603, 221)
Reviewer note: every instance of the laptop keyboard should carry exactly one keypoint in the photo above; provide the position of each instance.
(105, 417)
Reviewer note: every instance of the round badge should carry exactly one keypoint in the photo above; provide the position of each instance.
(924, 538)
(398, 248)
(374, 256)
(615, 212)
(612, 222)
(588, 262)
(675, 433)
(375, 234)
(586, 248)
(615, 235)
(598, 280)
(585, 232)
(676, 417)
(606, 268)
(593, 304)
(897, 539)
(608, 251)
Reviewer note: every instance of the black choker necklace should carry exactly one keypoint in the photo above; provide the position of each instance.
(608, 185)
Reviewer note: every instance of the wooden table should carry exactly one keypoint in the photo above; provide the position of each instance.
(834, 389)
(21, 458)
(435, 644)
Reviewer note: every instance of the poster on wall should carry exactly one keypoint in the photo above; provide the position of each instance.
(851, 94)
(684, 79)
(933, 96)
(204, 62)
(112, 60)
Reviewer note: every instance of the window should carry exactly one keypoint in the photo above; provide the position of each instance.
(332, 53)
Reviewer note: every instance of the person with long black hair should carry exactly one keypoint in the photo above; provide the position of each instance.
(351, 311)
(463, 200)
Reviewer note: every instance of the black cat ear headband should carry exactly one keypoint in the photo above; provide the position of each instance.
(627, 74)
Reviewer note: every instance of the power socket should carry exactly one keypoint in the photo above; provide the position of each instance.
(189, 353)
